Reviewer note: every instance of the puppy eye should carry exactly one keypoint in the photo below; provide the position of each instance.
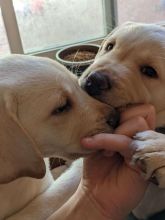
(109, 47)
(63, 108)
(149, 71)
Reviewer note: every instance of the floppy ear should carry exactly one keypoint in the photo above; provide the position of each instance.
(19, 156)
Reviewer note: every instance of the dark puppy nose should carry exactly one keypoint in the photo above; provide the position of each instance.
(96, 83)
(113, 119)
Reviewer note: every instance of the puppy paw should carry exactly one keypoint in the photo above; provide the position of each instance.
(149, 156)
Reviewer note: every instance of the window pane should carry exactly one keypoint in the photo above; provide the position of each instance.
(4, 45)
(142, 11)
(45, 24)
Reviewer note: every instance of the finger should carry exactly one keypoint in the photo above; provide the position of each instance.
(132, 126)
(146, 111)
(110, 142)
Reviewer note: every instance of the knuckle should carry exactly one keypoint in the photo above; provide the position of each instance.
(151, 108)
(140, 121)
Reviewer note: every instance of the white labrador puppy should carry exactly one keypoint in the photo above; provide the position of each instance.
(43, 113)
(130, 69)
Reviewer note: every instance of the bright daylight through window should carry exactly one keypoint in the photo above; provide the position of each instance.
(45, 25)
(4, 45)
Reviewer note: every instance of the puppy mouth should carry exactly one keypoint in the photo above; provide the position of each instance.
(114, 120)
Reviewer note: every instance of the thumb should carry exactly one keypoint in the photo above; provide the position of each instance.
(110, 142)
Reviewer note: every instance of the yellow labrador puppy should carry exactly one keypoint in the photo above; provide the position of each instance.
(43, 112)
(130, 69)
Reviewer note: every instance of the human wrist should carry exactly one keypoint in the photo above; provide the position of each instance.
(96, 209)
(79, 207)
(84, 207)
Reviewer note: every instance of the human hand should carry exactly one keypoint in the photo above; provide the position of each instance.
(111, 182)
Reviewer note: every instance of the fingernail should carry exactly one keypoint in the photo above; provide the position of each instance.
(86, 142)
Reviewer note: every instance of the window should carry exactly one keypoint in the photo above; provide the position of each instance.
(4, 45)
(43, 25)
(141, 11)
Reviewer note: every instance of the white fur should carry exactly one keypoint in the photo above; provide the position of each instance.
(46, 195)
(137, 45)
(33, 91)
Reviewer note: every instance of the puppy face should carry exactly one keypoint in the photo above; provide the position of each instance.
(129, 68)
(43, 113)
(51, 106)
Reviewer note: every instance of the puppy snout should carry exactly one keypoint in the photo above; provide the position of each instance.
(96, 83)
(113, 119)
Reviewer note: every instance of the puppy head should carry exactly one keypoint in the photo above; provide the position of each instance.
(44, 113)
(129, 67)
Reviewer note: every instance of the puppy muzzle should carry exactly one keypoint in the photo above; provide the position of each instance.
(96, 83)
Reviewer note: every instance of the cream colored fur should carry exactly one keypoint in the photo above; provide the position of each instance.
(122, 58)
(43, 113)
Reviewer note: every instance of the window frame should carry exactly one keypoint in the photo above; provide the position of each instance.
(14, 38)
